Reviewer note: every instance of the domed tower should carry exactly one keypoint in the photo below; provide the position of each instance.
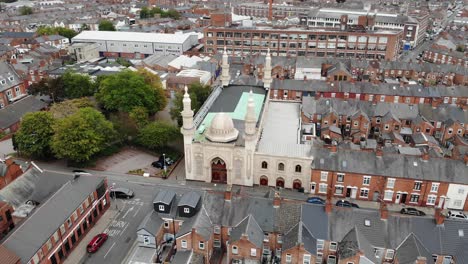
(250, 134)
(187, 130)
(267, 71)
(225, 77)
(222, 129)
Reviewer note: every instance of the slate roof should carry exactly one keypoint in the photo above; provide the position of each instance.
(165, 196)
(299, 234)
(190, 199)
(316, 220)
(151, 223)
(250, 228)
(12, 114)
(9, 75)
(28, 238)
(412, 248)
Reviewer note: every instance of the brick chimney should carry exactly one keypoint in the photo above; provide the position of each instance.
(333, 148)
(439, 217)
(425, 156)
(276, 200)
(421, 260)
(328, 202)
(379, 152)
(465, 159)
(383, 210)
(228, 193)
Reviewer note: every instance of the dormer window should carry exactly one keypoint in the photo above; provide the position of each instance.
(2, 82)
(11, 78)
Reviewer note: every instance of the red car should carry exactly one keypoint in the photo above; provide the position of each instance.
(96, 242)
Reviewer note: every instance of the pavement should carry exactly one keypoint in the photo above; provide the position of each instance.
(128, 159)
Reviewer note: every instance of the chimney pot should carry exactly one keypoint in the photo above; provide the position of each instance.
(228, 193)
(439, 217)
(276, 200)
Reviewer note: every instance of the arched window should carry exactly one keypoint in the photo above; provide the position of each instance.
(298, 168)
(281, 166)
(264, 165)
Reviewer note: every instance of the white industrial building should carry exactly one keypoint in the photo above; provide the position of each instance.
(136, 44)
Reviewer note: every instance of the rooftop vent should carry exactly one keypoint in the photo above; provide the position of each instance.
(367, 222)
(461, 233)
(322, 161)
(415, 163)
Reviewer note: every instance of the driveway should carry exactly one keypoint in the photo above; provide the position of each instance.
(6, 147)
(126, 160)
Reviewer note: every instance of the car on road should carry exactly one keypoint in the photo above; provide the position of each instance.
(121, 193)
(412, 211)
(315, 200)
(344, 203)
(96, 242)
(80, 172)
(456, 215)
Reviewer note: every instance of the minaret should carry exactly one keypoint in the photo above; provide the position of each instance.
(225, 77)
(250, 139)
(267, 71)
(187, 130)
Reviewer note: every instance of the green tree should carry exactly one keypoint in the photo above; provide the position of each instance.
(25, 10)
(461, 48)
(172, 13)
(65, 32)
(139, 115)
(198, 95)
(157, 134)
(123, 62)
(52, 87)
(125, 90)
(144, 13)
(84, 27)
(35, 134)
(155, 82)
(77, 85)
(70, 107)
(81, 135)
(106, 25)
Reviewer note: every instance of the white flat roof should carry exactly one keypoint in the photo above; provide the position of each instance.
(132, 36)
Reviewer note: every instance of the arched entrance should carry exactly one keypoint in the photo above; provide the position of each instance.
(297, 184)
(218, 171)
(264, 181)
(280, 182)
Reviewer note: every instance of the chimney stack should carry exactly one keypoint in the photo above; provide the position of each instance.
(228, 193)
(379, 152)
(421, 260)
(276, 200)
(439, 217)
(425, 156)
(383, 210)
(465, 159)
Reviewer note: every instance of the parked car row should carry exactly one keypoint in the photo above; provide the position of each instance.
(161, 162)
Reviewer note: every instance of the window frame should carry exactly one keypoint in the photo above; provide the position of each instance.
(201, 245)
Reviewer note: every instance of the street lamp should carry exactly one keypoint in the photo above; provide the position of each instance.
(164, 163)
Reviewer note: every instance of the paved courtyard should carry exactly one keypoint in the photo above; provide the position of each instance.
(126, 160)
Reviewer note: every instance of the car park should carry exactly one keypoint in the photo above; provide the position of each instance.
(344, 203)
(412, 211)
(456, 215)
(96, 242)
(121, 193)
(315, 200)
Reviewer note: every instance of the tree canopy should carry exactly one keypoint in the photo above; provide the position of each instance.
(126, 90)
(25, 10)
(198, 94)
(65, 32)
(70, 107)
(52, 87)
(81, 135)
(157, 134)
(77, 85)
(148, 13)
(106, 25)
(35, 133)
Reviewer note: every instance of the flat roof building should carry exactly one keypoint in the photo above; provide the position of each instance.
(136, 44)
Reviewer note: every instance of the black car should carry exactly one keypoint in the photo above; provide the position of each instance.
(158, 164)
(412, 211)
(344, 203)
(121, 193)
(315, 200)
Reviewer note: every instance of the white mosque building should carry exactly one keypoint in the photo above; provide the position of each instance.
(244, 138)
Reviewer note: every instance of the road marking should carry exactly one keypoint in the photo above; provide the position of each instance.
(123, 231)
(109, 250)
(136, 212)
(128, 211)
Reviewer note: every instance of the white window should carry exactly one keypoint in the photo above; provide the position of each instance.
(253, 252)
(306, 259)
(339, 190)
(184, 244)
(435, 187)
(390, 183)
(186, 210)
(388, 195)
(389, 254)
(146, 240)
(366, 180)
(161, 207)
(312, 188)
(323, 176)
(319, 258)
(382, 98)
(217, 243)
(340, 177)
(331, 260)
(414, 198)
(166, 224)
(417, 185)
(201, 245)
(320, 244)
(217, 229)
(457, 203)
(431, 199)
(17, 91)
(333, 246)
(288, 258)
(364, 193)
(461, 191)
(322, 188)
(235, 250)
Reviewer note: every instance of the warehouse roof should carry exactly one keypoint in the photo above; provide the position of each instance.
(131, 36)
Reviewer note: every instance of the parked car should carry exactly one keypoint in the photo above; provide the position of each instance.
(412, 211)
(456, 215)
(81, 172)
(344, 203)
(161, 162)
(96, 242)
(315, 200)
(122, 193)
(158, 164)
